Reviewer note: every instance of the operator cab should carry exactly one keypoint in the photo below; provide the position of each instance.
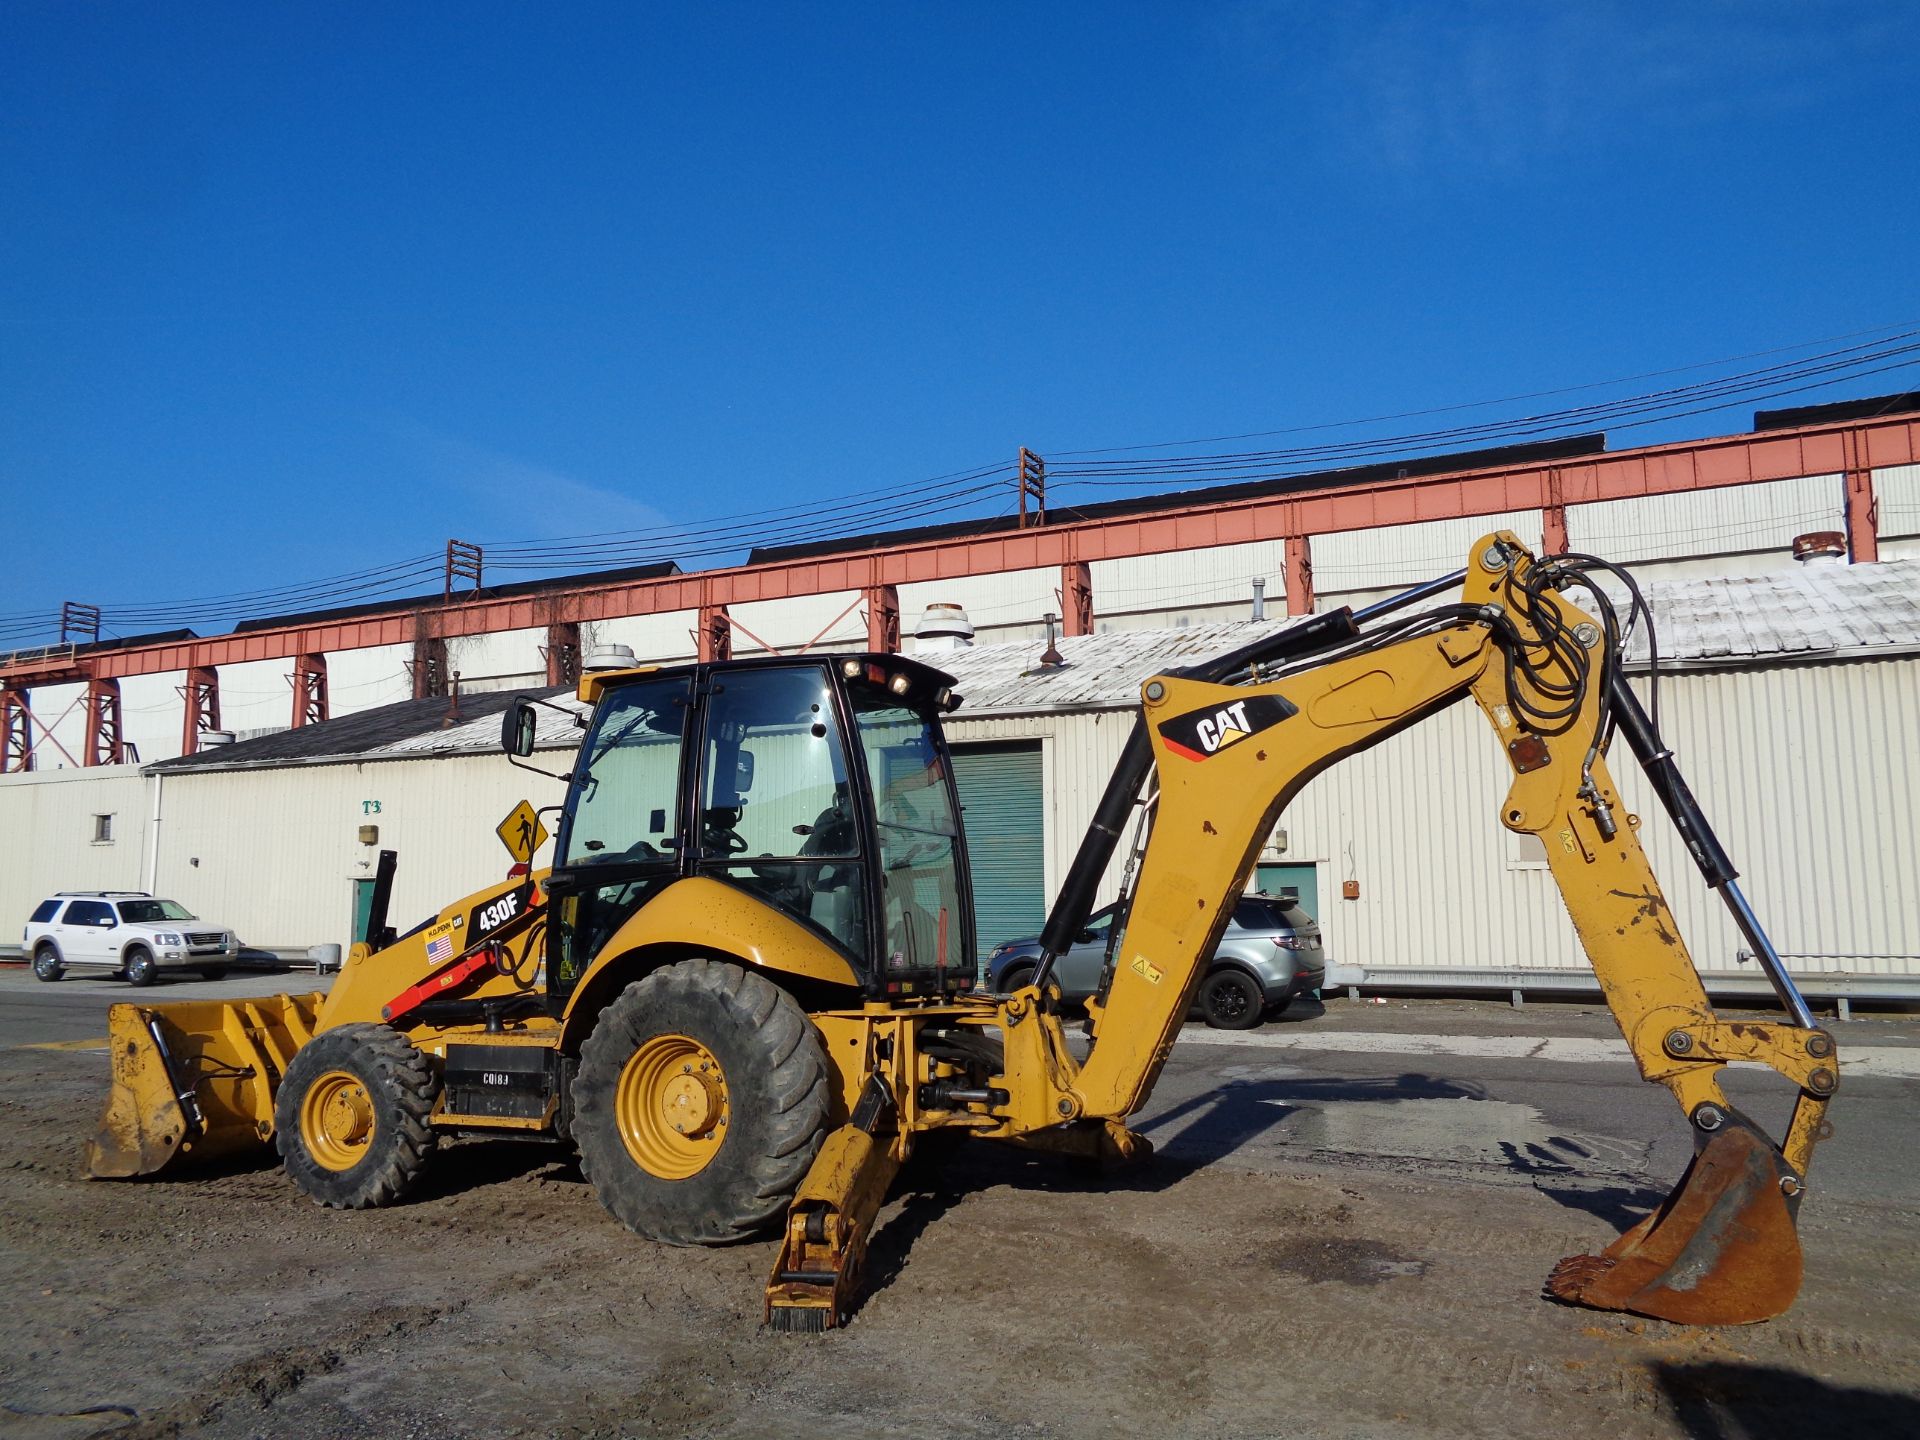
(821, 786)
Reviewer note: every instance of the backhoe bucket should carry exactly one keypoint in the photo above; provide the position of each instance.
(1722, 1250)
(195, 1078)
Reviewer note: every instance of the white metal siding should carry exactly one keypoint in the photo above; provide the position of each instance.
(1390, 556)
(1725, 521)
(1809, 774)
(278, 849)
(46, 837)
(1896, 490)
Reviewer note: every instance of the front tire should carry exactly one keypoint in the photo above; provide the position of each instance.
(351, 1117)
(1230, 1000)
(139, 968)
(46, 964)
(213, 972)
(700, 1103)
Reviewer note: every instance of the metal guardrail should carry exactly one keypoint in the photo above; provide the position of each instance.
(1842, 988)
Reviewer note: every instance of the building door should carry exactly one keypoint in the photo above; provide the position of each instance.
(1303, 880)
(1003, 806)
(362, 908)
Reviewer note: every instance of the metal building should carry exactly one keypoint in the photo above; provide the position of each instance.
(1793, 699)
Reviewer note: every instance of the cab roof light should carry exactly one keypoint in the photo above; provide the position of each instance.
(850, 669)
(900, 683)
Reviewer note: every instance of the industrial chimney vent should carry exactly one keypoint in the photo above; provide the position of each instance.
(943, 629)
(609, 657)
(1820, 547)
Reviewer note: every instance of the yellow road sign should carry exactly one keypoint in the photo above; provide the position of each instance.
(521, 832)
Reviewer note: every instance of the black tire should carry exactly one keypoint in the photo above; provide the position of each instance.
(46, 964)
(769, 1111)
(1230, 1000)
(398, 1086)
(213, 972)
(139, 968)
(1018, 978)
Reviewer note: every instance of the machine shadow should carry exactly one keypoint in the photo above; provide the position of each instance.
(1220, 1121)
(1727, 1401)
(474, 1164)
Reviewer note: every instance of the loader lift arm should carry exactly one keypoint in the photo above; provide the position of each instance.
(1229, 757)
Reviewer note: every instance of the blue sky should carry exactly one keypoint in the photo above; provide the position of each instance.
(290, 292)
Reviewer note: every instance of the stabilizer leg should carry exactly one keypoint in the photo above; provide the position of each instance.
(817, 1274)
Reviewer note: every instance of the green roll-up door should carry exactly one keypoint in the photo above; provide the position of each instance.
(1002, 808)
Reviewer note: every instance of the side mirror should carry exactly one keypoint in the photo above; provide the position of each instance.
(743, 773)
(517, 728)
(1084, 936)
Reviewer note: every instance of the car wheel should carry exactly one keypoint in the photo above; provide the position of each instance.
(351, 1117)
(700, 1102)
(213, 972)
(46, 963)
(1230, 1000)
(1018, 978)
(139, 968)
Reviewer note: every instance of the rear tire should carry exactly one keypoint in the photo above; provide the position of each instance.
(700, 1103)
(351, 1117)
(139, 968)
(1230, 1000)
(46, 964)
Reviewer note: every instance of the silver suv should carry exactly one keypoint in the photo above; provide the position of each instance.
(125, 931)
(1269, 954)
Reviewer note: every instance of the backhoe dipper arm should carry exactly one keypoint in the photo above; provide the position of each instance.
(1229, 758)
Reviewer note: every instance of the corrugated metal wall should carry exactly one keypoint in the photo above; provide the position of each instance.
(1708, 522)
(46, 837)
(1810, 775)
(278, 850)
(1897, 492)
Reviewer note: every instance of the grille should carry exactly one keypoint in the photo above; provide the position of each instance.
(214, 937)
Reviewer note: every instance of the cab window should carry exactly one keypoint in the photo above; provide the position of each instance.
(777, 814)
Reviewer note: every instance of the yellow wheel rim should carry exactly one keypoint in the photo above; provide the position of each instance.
(336, 1120)
(671, 1105)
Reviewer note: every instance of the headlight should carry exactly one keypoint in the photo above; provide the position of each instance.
(167, 937)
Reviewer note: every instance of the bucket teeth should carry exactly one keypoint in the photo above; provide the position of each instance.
(1722, 1250)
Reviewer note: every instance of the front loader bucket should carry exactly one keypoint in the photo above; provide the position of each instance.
(1722, 1250)
(195, 1078)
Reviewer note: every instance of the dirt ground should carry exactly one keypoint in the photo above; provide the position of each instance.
(1009, 1297)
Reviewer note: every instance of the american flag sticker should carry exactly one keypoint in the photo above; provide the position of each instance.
(439, 945)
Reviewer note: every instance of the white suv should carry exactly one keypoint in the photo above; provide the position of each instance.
(128, 932)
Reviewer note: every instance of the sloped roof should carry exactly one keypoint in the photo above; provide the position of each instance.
(1797, 614)
(404, 730)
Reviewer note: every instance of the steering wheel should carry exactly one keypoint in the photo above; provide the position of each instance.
(723, 838)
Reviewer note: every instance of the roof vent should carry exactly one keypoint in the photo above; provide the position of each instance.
(943, 629)
(610, 657)
(210, 738)
(1821, 547)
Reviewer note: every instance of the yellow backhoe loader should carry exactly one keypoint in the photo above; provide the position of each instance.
(745, 987)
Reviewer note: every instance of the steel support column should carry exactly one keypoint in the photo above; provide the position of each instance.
(16, 732)
(1076, 598)
(202, 694)
(106, 741)
(883, 619)
(1553, 518)
(715, 640)
(563, 653)
(1863, 509)
(310, 691)
(429, 666)
(1299, 575)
